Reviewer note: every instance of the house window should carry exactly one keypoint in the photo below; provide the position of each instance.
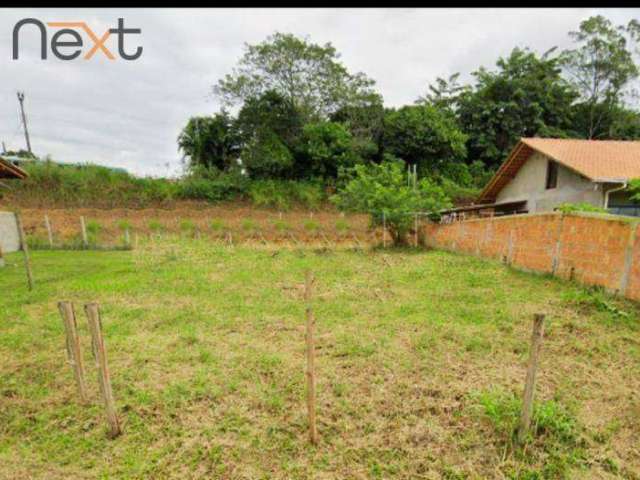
(552, 175)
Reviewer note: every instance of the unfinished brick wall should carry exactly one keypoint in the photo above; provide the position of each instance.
(590, 249)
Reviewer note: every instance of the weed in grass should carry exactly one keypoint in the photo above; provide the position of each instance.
(281, 226)
(155, 226)
(554, 444)
(248, 225)
(311, 226)
(342, 226)
(124, 224)
(217, 225)
(595, 298)
(187, 227)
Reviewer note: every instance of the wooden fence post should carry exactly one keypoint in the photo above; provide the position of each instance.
(25, 250)
(127, 239)
(47, 224)
(74, 353)
(416, 229)
(384, 230)
(530, 383)
(311, 367)
(95, 327)
(1, 257)
(83, 229)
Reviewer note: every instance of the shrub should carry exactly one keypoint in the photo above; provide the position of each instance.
(283, 194)
(580, 207)
(382, 191)
(213, 185)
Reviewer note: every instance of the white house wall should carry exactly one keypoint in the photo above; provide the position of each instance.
(529, 185)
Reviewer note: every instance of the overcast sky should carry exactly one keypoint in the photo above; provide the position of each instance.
(129, 113)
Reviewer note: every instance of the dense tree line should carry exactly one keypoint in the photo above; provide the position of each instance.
(302, 115)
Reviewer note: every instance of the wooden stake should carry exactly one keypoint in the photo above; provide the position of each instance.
(95, 326)
(530, 383)
(416, 230)
(127, 241)
(1, 257)
(384, 230)
(74, 353)
(83, 229)
(49, 232)
(311, 367)
(25, 249)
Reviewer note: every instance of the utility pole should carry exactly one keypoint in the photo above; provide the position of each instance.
(4, 148)
(24, 120)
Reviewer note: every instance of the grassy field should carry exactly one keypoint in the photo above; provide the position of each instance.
(421, 362)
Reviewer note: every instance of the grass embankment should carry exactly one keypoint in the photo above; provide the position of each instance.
(54, 185)
(421, 361)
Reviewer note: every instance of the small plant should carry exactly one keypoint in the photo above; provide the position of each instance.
(281, 226)
(155, 226)
(124, 225)
(311, 226)
(187, 226)
(93, 227)
(217, 225)
(580, 207)
(554, 438)
(249, 225)
(342, 226)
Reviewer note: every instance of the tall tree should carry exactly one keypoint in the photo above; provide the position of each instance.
(601, 67)
(424, 135)
(210, 142)
(526, 96)
(309, 76)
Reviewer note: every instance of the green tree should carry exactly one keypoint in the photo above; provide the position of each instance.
(424, 135)
(327, 147)
(271, 130)
(601, 68)
(382, 189)
(210, 142)
(526, 96)
(309, 76)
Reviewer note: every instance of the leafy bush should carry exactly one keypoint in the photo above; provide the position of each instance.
(282, 194)
(580, 207)
(249, 225)
(213, 185)
(382, 191)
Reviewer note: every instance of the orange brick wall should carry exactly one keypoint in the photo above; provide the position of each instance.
(591, 249)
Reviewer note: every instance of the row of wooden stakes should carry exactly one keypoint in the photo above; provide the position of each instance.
(92, 311)
(74, 357)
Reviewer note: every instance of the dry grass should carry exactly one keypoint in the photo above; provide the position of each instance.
(421, 359)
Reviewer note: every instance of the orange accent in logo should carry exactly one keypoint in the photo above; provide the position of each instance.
(98, 42)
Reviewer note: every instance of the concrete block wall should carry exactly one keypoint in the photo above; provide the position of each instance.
(589, 248)
(9, 239)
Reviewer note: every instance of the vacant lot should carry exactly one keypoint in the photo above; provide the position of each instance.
(421, 361)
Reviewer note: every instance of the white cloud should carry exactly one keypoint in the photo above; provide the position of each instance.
(128, 114)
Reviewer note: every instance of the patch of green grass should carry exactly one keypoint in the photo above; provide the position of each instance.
(206, 349)
(124, 224)
(311, 226)
(217, 225)
(155, 226)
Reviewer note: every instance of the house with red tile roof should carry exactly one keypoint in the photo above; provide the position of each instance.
(542, 173)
